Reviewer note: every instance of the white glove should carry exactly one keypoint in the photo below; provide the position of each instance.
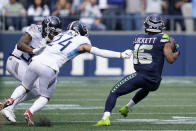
(39, 50)
(127, 54)
(41, 47)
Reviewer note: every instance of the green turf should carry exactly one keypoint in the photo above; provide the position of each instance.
(80, 104)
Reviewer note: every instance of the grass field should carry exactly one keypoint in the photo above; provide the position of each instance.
(78, 103)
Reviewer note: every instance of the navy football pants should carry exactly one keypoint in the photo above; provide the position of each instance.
(127, 85)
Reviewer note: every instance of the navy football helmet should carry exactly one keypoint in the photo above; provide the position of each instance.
(78, 27)
(154, 24)
(51, 26)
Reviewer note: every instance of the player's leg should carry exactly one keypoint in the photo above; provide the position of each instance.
(46, 79)
(45, 93)
(42, 101)
(8, 112)
(17, 69)
(27, 83)
(140, 95)
(126, 85)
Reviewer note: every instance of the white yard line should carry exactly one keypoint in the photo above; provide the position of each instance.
(175, 120)
(77, 107)
(58, 106)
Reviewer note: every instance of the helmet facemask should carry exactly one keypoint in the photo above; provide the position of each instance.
(154, 24)
(51, 27)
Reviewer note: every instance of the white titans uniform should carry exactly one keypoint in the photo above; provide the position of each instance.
(18, 61)
(45, 66)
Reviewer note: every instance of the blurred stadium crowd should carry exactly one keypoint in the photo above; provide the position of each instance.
(98, 14)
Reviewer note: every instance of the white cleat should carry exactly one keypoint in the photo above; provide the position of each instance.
(9, 115)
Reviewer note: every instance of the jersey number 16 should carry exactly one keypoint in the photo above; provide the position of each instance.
(140, 56)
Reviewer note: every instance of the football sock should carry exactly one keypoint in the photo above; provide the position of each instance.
(16, 101)
(19, 92)
(38, 104)
(30, 95)
(106, 114)
(130, 104)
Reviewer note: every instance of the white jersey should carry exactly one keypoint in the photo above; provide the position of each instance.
(63, 48)
(35, 32)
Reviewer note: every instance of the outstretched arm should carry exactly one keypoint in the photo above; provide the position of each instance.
(103, 53)
(23, 43)
(168, 52)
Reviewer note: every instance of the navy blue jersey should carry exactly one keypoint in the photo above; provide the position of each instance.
(148, 55)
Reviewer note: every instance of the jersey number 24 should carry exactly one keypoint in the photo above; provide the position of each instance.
(63, 43)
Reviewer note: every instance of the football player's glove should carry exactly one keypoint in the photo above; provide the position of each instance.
(39, 49)
(127, 53)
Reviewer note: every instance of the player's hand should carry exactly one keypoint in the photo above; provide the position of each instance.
(175, 46)
(38, 50)
(127, 54)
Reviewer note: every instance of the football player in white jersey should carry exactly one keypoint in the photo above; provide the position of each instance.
(31, 43)
(45, 66)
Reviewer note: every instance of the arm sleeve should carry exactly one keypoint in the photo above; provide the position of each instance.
(104, 53)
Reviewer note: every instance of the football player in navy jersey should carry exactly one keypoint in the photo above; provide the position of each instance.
(150, 50)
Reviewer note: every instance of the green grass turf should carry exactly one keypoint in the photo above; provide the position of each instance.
(80, 104)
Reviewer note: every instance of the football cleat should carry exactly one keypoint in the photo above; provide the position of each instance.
(124, 111)
(29, 118)
(6, 103)
(103, 122)
(9, 115)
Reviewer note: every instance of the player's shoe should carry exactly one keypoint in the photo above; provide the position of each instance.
(29, 118)
(6, 103)
(103, 122)
(124, 111)
(9, 115)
